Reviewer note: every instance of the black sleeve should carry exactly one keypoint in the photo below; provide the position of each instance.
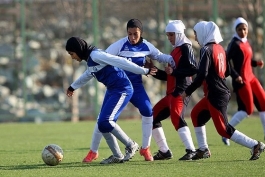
(71, 89)
(160, 75)
(202, 73)
(187, 65)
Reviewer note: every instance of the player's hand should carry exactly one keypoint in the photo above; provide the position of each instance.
(152, 71)
(260, 63)
(69, 93)
(168, 70)
(239, 80)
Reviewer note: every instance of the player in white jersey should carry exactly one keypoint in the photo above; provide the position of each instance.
(135, 49)
(106, 69)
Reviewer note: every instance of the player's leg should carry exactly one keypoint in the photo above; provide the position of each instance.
(177, 112)
(96, 138)
(141, 101)
(245, 104)
(200, 115)
(93, 152)
(161, 112)
(108, 116)
(259, 100)
(219, 117)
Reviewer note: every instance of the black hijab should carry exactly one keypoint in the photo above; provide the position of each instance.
(80, 47)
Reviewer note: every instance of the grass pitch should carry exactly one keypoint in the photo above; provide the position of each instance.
(21, 146)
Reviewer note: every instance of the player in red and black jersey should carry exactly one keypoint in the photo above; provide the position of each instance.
(247, 87)
(213, 69)
(172, 104)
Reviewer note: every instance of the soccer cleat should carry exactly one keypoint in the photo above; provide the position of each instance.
(163, 156)
(146, 153)
(130, 151)
(226, 141)
(201, 154)
(257, 150)
(90, 157)
(112, 159)
(189, 154)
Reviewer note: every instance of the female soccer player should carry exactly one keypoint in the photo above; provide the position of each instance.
(212, 69)
(177, 81)
(106, 69)
(247, 87)
(135, 49)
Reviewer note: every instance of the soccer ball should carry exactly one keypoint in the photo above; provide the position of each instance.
(52, 154)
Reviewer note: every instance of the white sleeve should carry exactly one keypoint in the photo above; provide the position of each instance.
(115, 48)
(120, 62)
(155, 54)
(82, 80)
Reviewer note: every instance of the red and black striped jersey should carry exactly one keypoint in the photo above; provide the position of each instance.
(213, 68)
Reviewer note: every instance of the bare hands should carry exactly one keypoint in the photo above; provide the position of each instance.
(168, 70)
(239, 80)
(152, 71)
(69, 93)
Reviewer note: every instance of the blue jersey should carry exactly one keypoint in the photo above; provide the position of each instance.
(108, 69)
(137, 54)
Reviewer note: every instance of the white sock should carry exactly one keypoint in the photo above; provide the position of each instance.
(243, 140)
(160, 139)
(121, 135)
(113, 144)
(147, 125)
(262, 119)
(185, 136)
(96, 138)
(201, 137)
(237, 118)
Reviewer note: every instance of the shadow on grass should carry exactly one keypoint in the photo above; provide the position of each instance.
(95, 164)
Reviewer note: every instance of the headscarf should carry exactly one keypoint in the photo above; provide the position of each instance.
(207, 32)
(178, 27)
(79, 46)
(239, 21)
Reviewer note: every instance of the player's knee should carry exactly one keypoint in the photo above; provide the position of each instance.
(105, 126)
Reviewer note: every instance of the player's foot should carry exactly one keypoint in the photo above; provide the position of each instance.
(226, 141)
(130, 151)
(112, 159)
(189, 154)
(257, 150)
(202, 154)
(90, 157)
(147, 154)
(163, 156)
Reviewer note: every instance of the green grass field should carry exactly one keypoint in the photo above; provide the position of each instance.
(21, 146)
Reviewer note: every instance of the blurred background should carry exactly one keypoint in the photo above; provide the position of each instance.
(35, 69)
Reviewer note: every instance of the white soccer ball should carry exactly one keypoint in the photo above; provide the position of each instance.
(52, 154)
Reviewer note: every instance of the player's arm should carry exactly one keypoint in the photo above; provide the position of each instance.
(155, 54)
(202, 72)
(82, 80)
(120, 62)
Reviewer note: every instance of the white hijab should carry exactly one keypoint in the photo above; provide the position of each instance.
(238, 21)
(207, 32)
(178, 27)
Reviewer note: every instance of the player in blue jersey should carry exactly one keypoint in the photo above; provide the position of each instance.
(135, 49)
(107, 69)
